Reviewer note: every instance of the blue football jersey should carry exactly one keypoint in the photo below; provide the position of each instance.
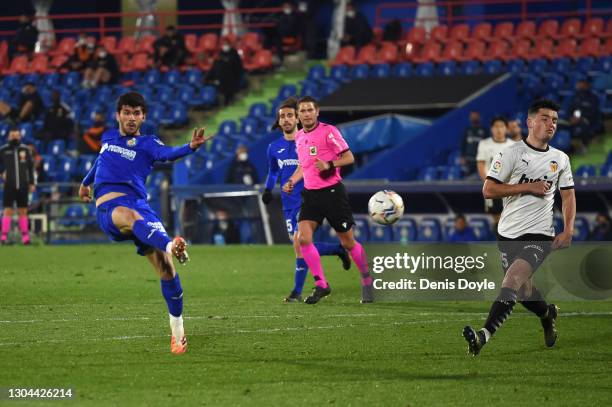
(125, 162)
(282, 162)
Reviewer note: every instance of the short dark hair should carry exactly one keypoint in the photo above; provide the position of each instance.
(291, 103)
(542, 104)
(14, 128)
(499, 119)
(460, 216)
(307, 99)
(132, 99)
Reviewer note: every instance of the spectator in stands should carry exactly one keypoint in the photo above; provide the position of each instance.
(308, 30)
(90, 142)
(602, 230)
(515, 133)
(241, 170)
(471, 138)
(29, 105)
(224, 230)
(26, 36)
(59, 120)
(102, 69)
(289, 29)
(392, 31)
(357, 30)
(81, 55)
(169, 49)
(586, 120)
(462, 232)
(226, 72)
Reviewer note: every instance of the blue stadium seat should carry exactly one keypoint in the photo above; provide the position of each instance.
(405, 230)
(428, 174)
(152, 77)
(492, 67)
(339, 73)
(606, 170)
(561, 65)
(66, 168)
(286, 91)
(516, 66)
(449, 227)
(193, 77)
(562, 140)
(381, 71)
(603, 64)
(481, 228)
(26, 130)
(447, 68)
(11, 82)
(585, 171)
(402, 70)
(84, 164)
(156, 112)
(380, 233)
(583, 65)
(329, 87)
(454, 158)
(469, 67)
(429, 230)
(51, 80)
(56, 147)
(554, 82)
(186, 95)
(311, 89)
(221, 145)
(228, 128)
(74, 215)
(538, 66)
(452, 172)
(209, 95)
(249, 127)
(316, 73)
(164, 95)
(581, 229)
(360, 71)
(176, 115)
(361, 229)
(424, 69)
(172, 78)
(72, 80)
(258, 110)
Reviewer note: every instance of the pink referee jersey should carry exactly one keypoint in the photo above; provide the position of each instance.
(325, 143)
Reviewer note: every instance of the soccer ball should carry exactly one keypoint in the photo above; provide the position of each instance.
(386, 207)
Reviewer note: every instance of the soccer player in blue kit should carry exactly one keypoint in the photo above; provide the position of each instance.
(283, 161)
(118, 177)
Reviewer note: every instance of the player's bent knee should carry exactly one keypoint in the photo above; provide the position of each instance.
(304, 239)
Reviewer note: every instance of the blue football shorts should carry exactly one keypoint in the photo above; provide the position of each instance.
(291, 220)
(104, 214)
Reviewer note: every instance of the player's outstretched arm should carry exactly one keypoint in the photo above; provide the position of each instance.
(293, 179)
(568, 201)
(493, 189)
(163, 153)
(198, 138)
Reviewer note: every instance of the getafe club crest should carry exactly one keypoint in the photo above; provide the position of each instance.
(554, 166)
(131, 142)
(22, 155)
(313, 150)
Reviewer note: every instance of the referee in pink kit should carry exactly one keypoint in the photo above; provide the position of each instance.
(321, 151)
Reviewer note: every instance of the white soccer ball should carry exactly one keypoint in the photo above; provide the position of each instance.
(386, 207)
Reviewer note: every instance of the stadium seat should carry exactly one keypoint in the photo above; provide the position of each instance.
(429, 230)
(593, 27)
(469, 68)
(448, 68)
(56, 147)
(525, 30)
(481, 228)
(127, 45)
(286, 91)
(156, 112)
(250, 41)
(548, 29)
(388, 53)
(606, 170)
(415, 37)
(516, 66)
(164, 94)
(176, 115)
(366, 55)
(316, 73)
(459, 32)
(73, 216)
(581, 229)
(228, 128)
(360, 71)
(405, 230)
(452, 173)
(19, 65)
(482, 32)
(430, 52)
(209, 95)
(172, 77)
(145, 44)
(543, 48)
(110, 44)
(520, 49)
(191, 44)
(452, 52)
(64, 47)
(504, 31)
(261, 62)
(497, 50)
(345, 56)
(585, 171)
(428, 174)
(439, 34)
(538, 66)
(310, 88)
(84, 164)
(209, 43)
(380, 233)
(402, 70)
(249, 127)
(492, 67)
(66, 169)
(381, 71)
(569, 29)
(590, 47)
(72, 80)
(361, 228)
(40, 64)
(475, 51)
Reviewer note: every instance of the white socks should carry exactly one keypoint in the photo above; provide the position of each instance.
(176, 324)
(486, 333)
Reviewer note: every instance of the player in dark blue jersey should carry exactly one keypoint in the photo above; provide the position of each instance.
(282, 162)
(118, 176)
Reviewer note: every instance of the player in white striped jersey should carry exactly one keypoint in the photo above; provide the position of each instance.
(487, 150)
(526, 175)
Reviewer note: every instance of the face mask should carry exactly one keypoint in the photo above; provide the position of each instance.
(287, 11)
(350, 14)
(102, 54)
(303, 7)
(225, 48)
(14, 142)
(243, 156)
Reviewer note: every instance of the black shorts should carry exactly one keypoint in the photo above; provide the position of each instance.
(494, 206)
(533, 248)
(329, 203)
(14, 195)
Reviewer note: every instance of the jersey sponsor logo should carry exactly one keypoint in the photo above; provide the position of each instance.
(525, 180)
(131, 142)
(281, 150)
(22, 155)
(313, 150)
(289, 161)
(156, 226)
(125, 153)
(554, 166)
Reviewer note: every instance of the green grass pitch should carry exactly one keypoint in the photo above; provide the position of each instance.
(92, 318)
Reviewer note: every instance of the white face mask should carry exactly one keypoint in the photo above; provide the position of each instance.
(350, 13)
(303, 7)
(243, 156)
(225, 48)
(287, 11)
(102, 54)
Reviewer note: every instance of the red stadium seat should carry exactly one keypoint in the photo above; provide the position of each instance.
(569, 29)
(607, 49)
(548, 29)
(521, 49)
(65, 47)
(525, 30)
(4, 58)
(140, 62)
(439, 33)
(429, 53)
(497, 50)
(416, 35)
(58, 61)
(378, 34)
(504, 31)
(387, 53)
(262, 61)
(566, 48)
(191, 44)
(452, 52)
(109, 44)
(209, 43)
(459, 32)
(40, 64)
(127, 45)
(19, 65)
(590, 47)
(346, 56)
(145, 44)
(250, 41)
(231, 38)
(482, 32)
(366, 55)
(475, 51)
(593, 27)
(543, 48)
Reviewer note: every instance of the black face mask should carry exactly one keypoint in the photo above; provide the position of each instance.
(14, 143)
